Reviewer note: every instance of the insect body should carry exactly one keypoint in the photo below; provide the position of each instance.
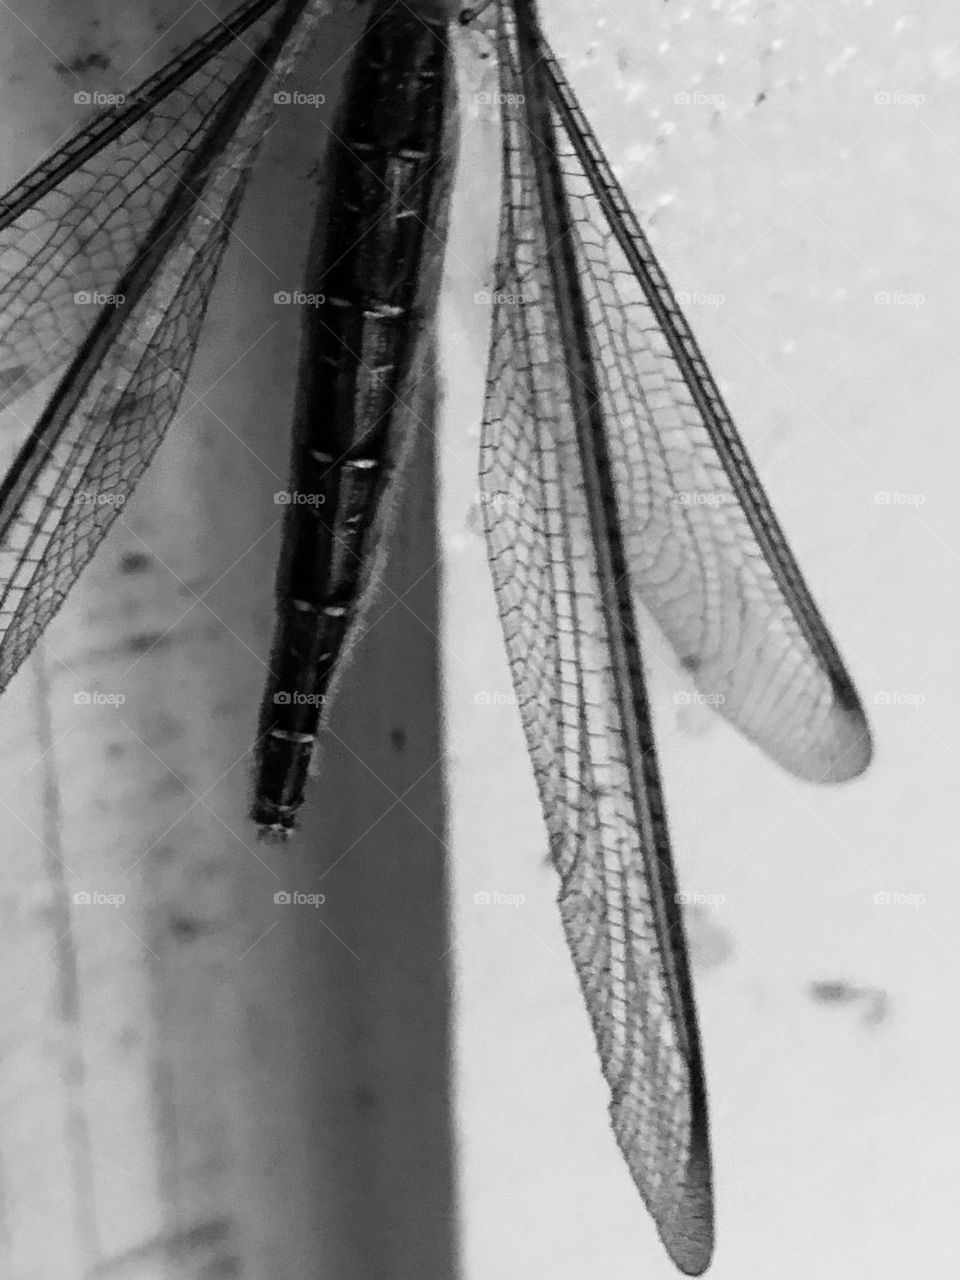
(376, 267)
(615, 482)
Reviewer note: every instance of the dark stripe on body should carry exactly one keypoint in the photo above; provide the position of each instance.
(380, 226)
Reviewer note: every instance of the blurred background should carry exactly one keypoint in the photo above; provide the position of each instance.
(404, 1083)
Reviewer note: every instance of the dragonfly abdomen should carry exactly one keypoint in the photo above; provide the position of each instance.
(373, 274)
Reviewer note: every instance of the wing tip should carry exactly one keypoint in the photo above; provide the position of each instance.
(853, 733)
(838, 748)
(691, 1244)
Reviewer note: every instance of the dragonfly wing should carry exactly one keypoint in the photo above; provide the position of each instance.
(707, 558)
(72, 225)
(143, 213)
(618, 898)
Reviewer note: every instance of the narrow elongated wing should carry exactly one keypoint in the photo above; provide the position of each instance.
(707, 558)
(108, 254)
(593, 756)
(716, 575)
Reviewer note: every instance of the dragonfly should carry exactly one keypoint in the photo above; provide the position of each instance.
(616, 486)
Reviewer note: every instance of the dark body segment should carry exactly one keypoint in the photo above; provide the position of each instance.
(375, 263)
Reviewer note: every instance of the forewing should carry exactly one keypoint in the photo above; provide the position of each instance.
(707, 558)
(139, 208)
(617, 898)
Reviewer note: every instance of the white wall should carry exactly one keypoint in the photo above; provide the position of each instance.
(797, 198)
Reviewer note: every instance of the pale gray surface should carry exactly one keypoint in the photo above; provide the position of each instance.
(200, 1082)
(833, 1137)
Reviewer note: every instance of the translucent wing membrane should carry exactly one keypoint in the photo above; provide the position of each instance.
(108, 253)
(614, 483)
(693, 543)
(607, 826)
(707, 558)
